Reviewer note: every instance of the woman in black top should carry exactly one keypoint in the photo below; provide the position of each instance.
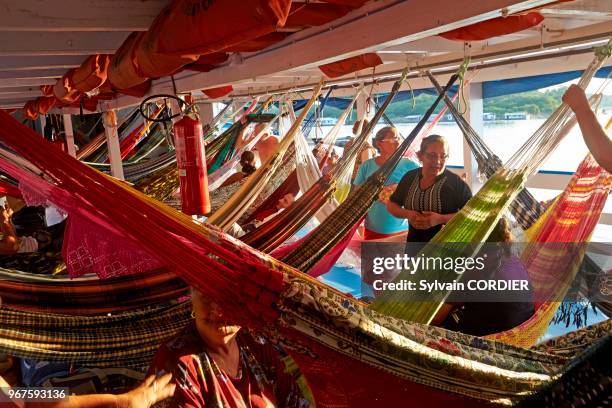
(431, 195)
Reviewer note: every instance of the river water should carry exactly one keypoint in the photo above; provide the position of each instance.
(504, 137)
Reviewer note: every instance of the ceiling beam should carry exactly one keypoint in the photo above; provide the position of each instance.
(35, 73)
(429, 44)
(73, 43)
(11, 104)
(18, 89)
(501, 71)
(25, 95)
(24, 63)
(375, 26)
(18, 82)
(78, 15)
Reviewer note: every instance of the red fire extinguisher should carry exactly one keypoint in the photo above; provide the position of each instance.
(191, 166)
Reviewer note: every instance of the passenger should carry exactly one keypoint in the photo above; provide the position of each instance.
(216, 364)
(428, 197)
(247, 161)
(10, 243)
(595, 137)
(284, 202)
(319, 152)
(151, 391)
(332, 159)
(480, 318)
(379, 222)
(266, 146)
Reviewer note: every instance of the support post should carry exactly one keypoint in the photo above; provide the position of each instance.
(474, 115)
(69, 134)
(112, 141)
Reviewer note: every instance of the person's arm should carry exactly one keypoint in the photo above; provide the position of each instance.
(241, 139)
(9, 240)
(399, 212)
(594, 135)
(151, 391)
(395, 203)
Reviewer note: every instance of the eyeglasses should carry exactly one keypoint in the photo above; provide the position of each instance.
(433, 156)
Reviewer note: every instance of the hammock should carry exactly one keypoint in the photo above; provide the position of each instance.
(128, 339)
(585, 381)
(266, 203)
(88, 296)
(218, 121)
(100, 156)
(216, 145)
(156, 137)
(480, 215)
(308, 170)
(165, 181)
(525, 208)
(337, 227)
(222, 195)
(9, 189)
(552, 268)
(135, 169)
(344, 349)
(137, 135)
(246, 195)
(572, 344)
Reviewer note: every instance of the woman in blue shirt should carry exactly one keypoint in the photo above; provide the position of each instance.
(379, 222)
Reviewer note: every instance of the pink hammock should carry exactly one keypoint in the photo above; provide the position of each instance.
(328, 260)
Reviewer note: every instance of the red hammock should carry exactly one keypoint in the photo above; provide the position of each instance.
(350, 65)
(195, 27)
(122, 73)
(309, 15)
(494, 27)
(9, 190)
(328, 261)
(147, 59)
(219, 92)
(91, 74)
